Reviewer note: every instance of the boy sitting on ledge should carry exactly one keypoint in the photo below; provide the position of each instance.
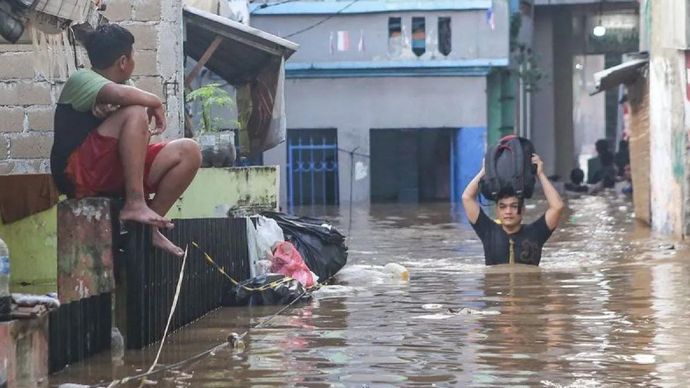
(101, 142)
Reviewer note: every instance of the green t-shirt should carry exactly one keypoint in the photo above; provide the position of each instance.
(81, 89)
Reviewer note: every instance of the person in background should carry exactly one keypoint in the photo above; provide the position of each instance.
(607, 176)
(595, 165)
(625, 185)
(577, 176)
(622, 157)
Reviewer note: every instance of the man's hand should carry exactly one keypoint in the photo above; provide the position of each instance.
(102, 111)
(159, 115)
(540, 164)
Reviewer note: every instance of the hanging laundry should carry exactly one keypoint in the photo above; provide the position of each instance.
(343, 40)
(360, 45)
(490, 19)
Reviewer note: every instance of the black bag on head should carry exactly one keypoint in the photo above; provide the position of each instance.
(508, 169)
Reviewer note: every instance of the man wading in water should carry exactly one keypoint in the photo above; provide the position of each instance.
(510, 241)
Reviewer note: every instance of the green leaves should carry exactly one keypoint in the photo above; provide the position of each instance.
(211, 97)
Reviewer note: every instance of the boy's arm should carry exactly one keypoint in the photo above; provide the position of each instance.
(469, 197)
(124, 95)
(556, 205)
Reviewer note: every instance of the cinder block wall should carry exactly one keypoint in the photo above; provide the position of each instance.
(27, 102)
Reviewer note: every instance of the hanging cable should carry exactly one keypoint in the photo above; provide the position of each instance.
(268, 5)
(322, 21)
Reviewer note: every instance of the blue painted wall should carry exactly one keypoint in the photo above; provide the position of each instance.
(467, 152)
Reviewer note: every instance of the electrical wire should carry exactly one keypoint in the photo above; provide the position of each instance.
(322, 21)
(268, 5)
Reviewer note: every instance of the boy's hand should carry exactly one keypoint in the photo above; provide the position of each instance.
(103, 110)
(159, 115)
(540, 164)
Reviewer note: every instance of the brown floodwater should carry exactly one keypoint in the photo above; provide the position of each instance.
(609, 306)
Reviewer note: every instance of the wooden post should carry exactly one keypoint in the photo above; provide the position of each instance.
(202, 61)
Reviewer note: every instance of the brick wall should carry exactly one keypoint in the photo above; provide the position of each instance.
(27, 101)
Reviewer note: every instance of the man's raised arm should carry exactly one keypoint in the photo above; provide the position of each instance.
(556, 205)
(469, 197)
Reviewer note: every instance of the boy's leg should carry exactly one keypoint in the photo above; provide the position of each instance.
(130, 126)
(171, 172)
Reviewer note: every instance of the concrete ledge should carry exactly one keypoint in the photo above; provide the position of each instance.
(239, 191)
(24, 352)
(85, 248)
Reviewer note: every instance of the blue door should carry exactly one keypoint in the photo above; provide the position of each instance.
(312, 167)
(467, 152)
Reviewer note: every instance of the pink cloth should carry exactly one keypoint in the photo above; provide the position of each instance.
(288, 261)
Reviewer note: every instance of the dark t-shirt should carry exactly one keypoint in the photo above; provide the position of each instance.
(74, 121)
(527, 243)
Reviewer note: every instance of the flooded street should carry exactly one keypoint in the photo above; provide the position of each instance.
(609, 305)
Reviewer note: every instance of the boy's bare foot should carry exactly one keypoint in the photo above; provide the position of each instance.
(140, 212)
(161, 242)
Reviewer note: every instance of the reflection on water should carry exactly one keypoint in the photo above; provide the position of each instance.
(608, 306)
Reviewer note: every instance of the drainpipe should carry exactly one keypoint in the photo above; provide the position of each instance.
(528, 115)
(519, 108)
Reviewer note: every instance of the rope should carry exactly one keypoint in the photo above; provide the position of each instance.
(197, 356)
(172, 311)
(235, 282)
(115, 383)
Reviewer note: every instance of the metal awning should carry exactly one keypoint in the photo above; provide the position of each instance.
(626, 72)
(232, 50)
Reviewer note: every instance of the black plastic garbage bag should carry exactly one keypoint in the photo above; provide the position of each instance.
(322, 247)
(270, 289)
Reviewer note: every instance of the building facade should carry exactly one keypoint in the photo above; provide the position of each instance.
(667, 38)
(565, 120)
(386, 100)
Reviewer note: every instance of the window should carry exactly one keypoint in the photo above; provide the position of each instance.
(394, 36)
(418, 36)
(444, 35)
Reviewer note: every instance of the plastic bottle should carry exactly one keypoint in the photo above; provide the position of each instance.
(5, 297)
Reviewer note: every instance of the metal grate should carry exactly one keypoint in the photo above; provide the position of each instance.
(147, 277)
(312, 165)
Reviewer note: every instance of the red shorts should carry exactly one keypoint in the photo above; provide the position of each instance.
(95, 168)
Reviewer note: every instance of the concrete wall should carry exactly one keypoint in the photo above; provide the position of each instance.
(667, 122)
(560, 33)
(33, 247)
(214, 191)
(552, 104)
(27, 99)
(589, 112)
(543, 119)
(356, 105)
(472, 37)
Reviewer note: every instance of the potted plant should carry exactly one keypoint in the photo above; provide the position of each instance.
(217, 144)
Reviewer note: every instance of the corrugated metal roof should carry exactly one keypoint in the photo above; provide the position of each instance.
(624, 73)
(365, 6)
(244, 50)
